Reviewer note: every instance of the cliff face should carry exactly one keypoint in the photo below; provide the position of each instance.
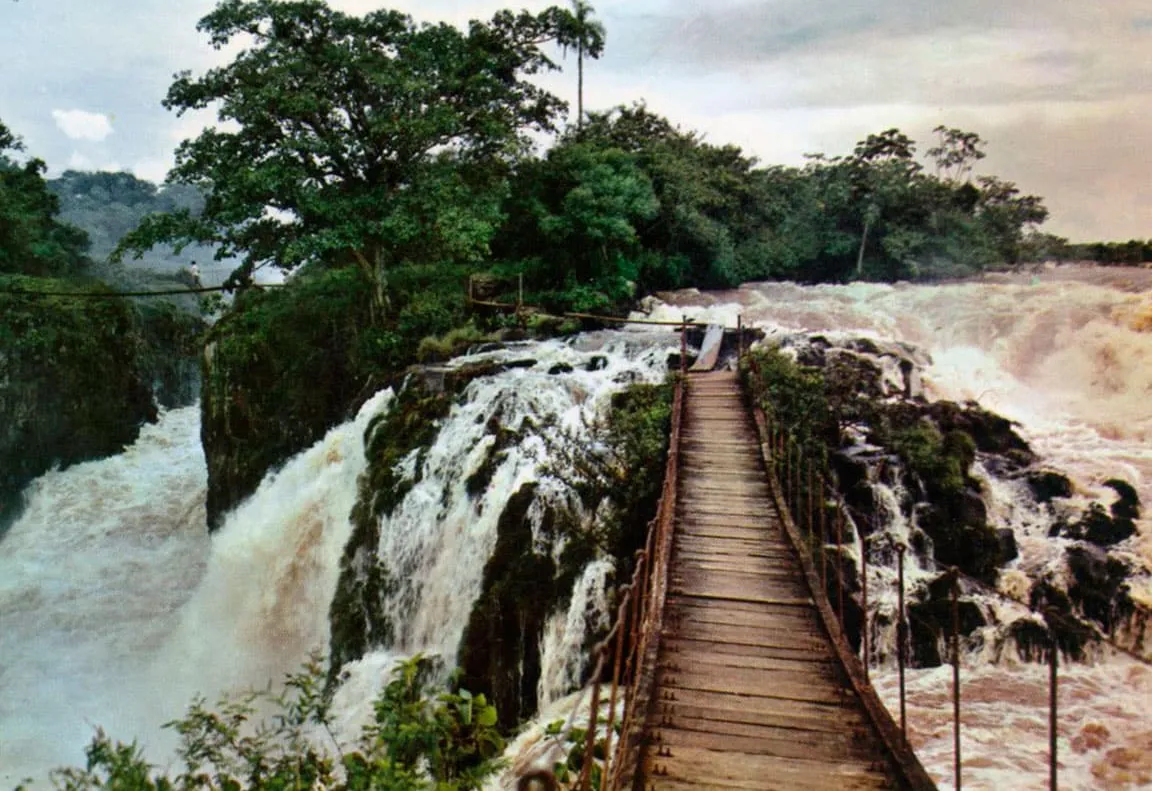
(71, 386)
(277, 373)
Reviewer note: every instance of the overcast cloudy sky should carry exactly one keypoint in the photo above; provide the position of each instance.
(1060, 89)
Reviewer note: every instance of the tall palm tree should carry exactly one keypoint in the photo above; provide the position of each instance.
(587, 36)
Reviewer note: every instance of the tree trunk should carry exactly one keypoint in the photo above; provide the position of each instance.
(863, 242)
(580, 86)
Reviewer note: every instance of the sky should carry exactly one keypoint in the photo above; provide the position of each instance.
(1061, 90)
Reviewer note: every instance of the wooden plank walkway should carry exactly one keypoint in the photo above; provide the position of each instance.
(749, 692)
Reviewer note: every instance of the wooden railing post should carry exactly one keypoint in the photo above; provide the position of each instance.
(683, 344)
(956, 677)
(901, 639)
(593, 716)
(865, 645)
(1053, 681)
(840, 561)
(621, 622)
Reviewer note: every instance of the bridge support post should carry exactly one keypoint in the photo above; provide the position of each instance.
(956, 677)
(593, 718)
(1053, 672)
(683, 344)
(621, 622)
(901, 639)
(810, 502)
(840, 561)
(865, 641)
(823, 491)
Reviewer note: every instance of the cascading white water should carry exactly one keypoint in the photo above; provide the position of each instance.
(437, 541)
(116, 608)
(1067, 353)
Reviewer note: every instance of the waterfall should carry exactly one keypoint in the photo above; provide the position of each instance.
(438, 539)
(116, 608)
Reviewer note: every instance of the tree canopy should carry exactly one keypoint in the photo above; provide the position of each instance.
(33, 241)
(376, 142)
(370, 139)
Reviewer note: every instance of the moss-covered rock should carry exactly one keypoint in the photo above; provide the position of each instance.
(1046, 485)
(500, 652)
(285, 365)
(357, 616)
(1100, 585)
(72, 386)
(278, 371)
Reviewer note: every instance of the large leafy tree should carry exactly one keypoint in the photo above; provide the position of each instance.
(347, 140)
(32, 239)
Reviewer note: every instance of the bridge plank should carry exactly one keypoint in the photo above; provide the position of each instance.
(749, 692)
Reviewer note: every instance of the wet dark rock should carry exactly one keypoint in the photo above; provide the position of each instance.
(560, 368)
(849, 377)
(811, 355)
(598, 363)
(865, 346)
(1127, 505)
(1097, 527)
(73, 386)
(1009, 551)
(500, 651)
(1048, 484)
(971, 509)
(477, 483)
(930, 621)
(1100, 589)
(974, 548)
(991, 432)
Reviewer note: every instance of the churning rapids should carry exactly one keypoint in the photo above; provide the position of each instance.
(116, 608)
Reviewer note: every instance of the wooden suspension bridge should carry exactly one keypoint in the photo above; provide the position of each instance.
(729, 667)
(730, 664)
(750, 691)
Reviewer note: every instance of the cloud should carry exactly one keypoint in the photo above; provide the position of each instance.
(82, 125)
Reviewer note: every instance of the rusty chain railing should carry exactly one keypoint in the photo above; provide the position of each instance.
(820, 515)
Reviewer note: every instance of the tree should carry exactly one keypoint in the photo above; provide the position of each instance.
(883, 167)
(956, 154)
(32, 239)
(1006, 213)
(587, 36)
(368, 141)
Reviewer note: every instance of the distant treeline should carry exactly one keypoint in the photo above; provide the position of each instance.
(1046, 247)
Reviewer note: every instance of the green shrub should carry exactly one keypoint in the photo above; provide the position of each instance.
(418, 741)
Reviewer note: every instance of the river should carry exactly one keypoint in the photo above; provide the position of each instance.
(116, 607)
